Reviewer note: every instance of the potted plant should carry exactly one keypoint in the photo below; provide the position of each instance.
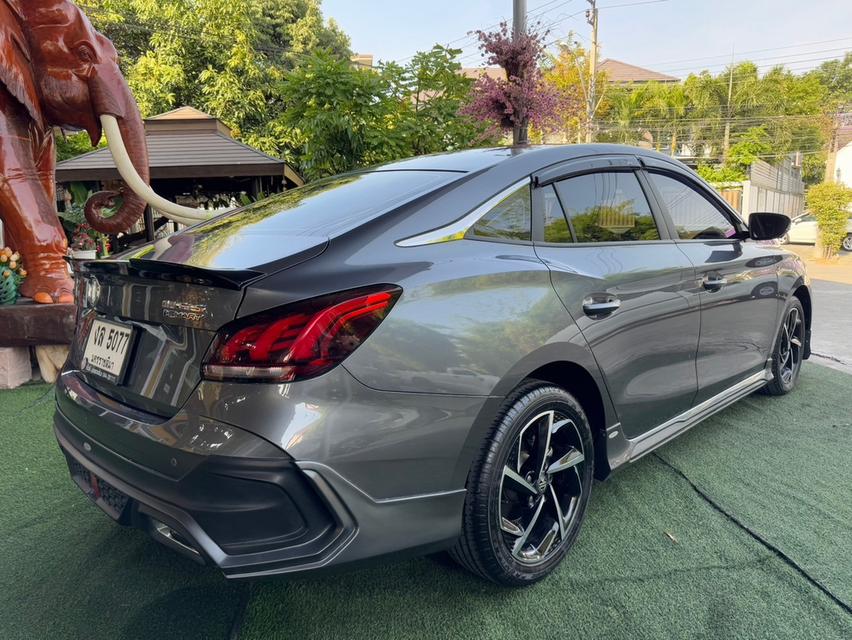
(73, 220)
(11, 273)
(83, 245)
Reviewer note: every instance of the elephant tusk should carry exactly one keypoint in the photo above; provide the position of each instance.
(173, 211)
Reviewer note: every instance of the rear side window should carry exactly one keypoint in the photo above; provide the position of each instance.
(510, 219)
(694, 216)
(555, 224)
(607, 207)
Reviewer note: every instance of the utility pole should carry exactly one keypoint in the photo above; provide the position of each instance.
(520, 132)
(728, 113)
(591, 94)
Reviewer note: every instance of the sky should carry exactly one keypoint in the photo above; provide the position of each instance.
(669, 36)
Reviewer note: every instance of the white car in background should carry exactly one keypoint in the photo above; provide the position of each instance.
(803, 230)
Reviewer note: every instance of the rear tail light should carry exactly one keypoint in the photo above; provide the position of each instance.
(298, 341)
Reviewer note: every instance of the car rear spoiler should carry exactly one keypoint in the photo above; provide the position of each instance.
(168, 271)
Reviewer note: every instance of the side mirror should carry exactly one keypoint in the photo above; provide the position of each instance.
(768, 226)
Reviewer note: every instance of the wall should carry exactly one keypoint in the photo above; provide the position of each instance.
(843, 166)
(773, 188)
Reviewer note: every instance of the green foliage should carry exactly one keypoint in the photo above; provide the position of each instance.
(224, 57)
(73, 215)
(10, 284)
(813, 168)
(338, 117)
(279, 75)
(836, 77)
(567, 73)
(753, 144)
(720, 174)
(829, 202)
(74, 144)
(750, 146)
(793, 112)
(429, 91)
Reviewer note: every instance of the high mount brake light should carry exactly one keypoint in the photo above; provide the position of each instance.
(298, 341)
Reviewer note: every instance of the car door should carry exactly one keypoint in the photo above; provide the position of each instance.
(736, 280)
(624, 282)
(803, 230)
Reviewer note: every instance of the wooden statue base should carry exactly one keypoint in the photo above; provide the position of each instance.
(27, 324)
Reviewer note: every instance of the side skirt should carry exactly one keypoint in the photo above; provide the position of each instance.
(628, 450)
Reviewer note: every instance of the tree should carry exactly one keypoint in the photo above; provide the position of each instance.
(566, 72)
(836, 77)
(626, 111)
(289, 29)
(431, 91)
(669, 103)
(829, 202)
(751, 146)
(337, 116)
(70, 145)
(224, 57)
(521, 98)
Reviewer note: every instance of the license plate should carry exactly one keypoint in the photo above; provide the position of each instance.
(107, 349)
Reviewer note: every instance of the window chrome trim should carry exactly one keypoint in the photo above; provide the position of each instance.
(457, 230)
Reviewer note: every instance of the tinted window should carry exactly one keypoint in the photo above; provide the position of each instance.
(555, 225)
(607, 207)
(694, 216)
(328, 205)
(510, 219)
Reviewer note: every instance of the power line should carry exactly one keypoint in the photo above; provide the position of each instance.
(753, 60)
(726, 55)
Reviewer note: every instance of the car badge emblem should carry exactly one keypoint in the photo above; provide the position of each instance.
(175, 310)
(92, 292)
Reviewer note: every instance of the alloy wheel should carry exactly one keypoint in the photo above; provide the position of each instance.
(792, 340)
(847, 243)
(541, 487)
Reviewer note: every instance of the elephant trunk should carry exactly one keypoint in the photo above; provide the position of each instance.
(111, 96)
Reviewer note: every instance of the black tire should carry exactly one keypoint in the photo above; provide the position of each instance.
(493, 544)
(847, 243)
(786, 355)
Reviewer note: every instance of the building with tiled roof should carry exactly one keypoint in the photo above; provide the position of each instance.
(621, 73)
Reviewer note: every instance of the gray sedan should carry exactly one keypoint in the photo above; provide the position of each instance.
(438, 353)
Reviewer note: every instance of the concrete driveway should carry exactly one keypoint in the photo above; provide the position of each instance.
(832, 324)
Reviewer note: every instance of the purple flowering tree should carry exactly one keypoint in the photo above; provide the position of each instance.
(522, 97)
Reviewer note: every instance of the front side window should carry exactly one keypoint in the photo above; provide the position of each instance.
(510, 219)
(607, 207)
(694, 216)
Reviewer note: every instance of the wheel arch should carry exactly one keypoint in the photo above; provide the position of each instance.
(803, 293)
(569, 366)
(579, 383)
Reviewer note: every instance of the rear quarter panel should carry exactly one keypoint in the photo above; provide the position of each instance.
(466, 317)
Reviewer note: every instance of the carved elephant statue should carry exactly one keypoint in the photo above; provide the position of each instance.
(56, 70)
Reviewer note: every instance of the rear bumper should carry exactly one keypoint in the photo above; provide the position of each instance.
(245, 516)
(249, 517)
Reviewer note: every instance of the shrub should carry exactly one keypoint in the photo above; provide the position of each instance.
(828, 202)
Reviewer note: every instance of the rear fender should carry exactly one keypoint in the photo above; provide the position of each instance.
(574, 351)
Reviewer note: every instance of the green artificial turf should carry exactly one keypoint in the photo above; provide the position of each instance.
(784, 469)
(67, 571)
(654, 559)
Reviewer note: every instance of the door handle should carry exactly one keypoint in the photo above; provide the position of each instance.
(713, 283)
(599, 307)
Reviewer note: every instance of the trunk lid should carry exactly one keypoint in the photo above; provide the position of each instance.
(174, 309)
(177, 292)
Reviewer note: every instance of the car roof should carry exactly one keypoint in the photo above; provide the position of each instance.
(528, 158)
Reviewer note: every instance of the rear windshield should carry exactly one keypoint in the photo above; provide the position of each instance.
(328, 206)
